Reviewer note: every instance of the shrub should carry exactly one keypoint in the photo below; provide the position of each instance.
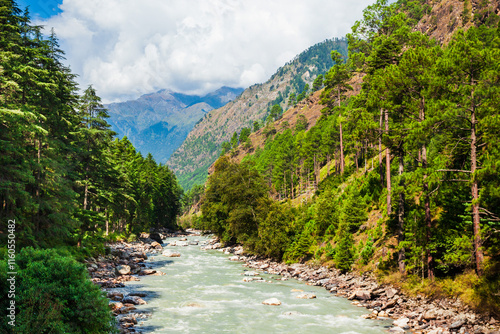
(54, 295)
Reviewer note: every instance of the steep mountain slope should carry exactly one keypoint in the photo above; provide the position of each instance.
(158, 123)
(202, 146)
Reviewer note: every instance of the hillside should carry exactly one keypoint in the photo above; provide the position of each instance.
(399, 179)
(158, 123)
(202, 146)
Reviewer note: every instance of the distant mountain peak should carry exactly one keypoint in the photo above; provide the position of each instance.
(158, 122)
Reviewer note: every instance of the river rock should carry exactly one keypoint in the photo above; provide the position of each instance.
(390, 292)
(147, 272)
(115, 295)
(122, 270)
(396, 330)
(234, 258)
(360, 294)
(156, 245)
(170, 254)
(457, 324)
(115, 306)
(272, 301)
(156, 237)
(430, 314)
(134, 300)
(383, 314)
(193, 243)
(251, 273)
(306, 296)
(401, 322)
(138, 294)
(139, 255)
(252, 279)
(183, 239)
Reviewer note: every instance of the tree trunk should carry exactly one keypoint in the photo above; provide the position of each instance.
(401, 213)
(475, 194)
(427, 202)
(388, 166)
(381, 168)
(342, 163)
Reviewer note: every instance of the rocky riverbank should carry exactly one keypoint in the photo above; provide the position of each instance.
(418, 314)
(126, 262)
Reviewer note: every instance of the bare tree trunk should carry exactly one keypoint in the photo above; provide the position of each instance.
(475, 194)
(342, 162)
(388, 166)
(380, 147)
(427, 204)
(401, 213)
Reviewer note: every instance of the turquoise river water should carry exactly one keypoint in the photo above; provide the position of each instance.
(204, 292)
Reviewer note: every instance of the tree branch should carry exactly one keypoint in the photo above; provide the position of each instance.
(454, 170)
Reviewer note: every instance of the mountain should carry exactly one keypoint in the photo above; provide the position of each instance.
(203, 145)
(158, 123)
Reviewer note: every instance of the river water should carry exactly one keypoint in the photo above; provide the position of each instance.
(204, 292)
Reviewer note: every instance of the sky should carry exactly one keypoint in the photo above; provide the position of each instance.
(126, 48)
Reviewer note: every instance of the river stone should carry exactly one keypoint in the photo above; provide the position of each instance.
(115, 295)
(193, 243)
(138, 294)
(156, 245)
(390, 292)
(272, 301)
(122, 270)
(396, 330)
(252, 279)
(147, 272)
(156, 237)
(115, 306)
(134, 300)
(234, 258)
(251, 273)
(401, 322)
(139, 254)
(170, 254)
(430, 314)
(457, 324)
(183, 239)
(383, 314)
(306, 296)
(360, 294)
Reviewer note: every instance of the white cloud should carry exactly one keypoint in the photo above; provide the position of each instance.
(129, 47)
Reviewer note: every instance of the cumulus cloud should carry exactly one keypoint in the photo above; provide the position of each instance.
(130, 47)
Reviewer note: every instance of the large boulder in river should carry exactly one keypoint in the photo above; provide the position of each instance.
(156, 237)
(272, 301)
(122, 270)
(168, 253)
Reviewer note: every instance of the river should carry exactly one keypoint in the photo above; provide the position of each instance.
(204, 292)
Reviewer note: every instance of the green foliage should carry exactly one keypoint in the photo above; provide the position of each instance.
(274, 232)
(54, 295)
(343, 253)
(234, 195)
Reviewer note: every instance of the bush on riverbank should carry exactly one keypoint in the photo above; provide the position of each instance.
(54, 295)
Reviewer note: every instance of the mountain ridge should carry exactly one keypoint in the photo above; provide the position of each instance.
(158, 122)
